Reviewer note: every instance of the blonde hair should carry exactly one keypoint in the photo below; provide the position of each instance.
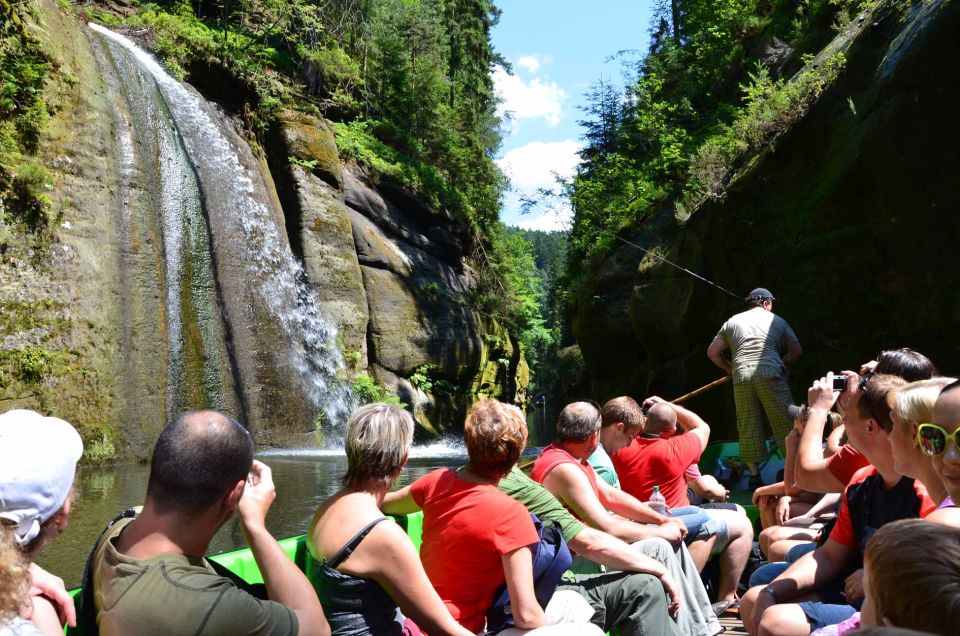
(377, 443)
(928, 556)
(495, 434)
(914, 402)
(14, 575)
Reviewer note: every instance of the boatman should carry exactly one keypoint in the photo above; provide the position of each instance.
(762, 348)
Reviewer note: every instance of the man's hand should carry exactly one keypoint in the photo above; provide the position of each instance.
(783, 510)
(678, 523)
(670, 586)
(671, 532)
(821, 395)
(853, 587)
(653, 399)
(868, 367)
(42, 583)
(257, 496)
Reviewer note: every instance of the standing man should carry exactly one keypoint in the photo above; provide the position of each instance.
(762, 347)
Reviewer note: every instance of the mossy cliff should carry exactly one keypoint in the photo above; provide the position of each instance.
(81, 333)
(848, 217)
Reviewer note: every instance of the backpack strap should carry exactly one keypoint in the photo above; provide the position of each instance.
(87, 611)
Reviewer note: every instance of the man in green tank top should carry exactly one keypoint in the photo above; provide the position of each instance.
(762, 347)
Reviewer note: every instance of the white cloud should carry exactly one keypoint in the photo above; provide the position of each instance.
(528, 100)
(530, 62)
(533, 167)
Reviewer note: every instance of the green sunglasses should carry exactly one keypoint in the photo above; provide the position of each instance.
(933, 439)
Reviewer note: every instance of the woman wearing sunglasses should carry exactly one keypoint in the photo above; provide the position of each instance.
(910, 405)
(938, 439)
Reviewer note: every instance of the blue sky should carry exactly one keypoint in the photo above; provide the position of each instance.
(558, 48)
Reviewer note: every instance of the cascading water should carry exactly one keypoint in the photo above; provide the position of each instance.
(243, 331)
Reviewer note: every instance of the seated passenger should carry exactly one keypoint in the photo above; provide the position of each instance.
(149, 574)
(818, 589)
(912, 405)
(38, 459)
(703, 489)
(928, 556)
(476, 538)
(816, 472)
(934, 440)
(658, 457)
(362, 569)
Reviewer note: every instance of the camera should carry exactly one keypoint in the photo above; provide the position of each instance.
(839, 382)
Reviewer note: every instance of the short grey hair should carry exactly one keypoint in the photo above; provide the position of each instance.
(578, 421)
(377, 443)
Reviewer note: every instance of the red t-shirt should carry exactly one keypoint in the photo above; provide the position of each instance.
(845, 462)
(467, 527)
(551, 457)
(866, 506)
(649, 462)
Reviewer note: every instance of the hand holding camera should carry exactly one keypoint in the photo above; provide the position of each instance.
(824, 392)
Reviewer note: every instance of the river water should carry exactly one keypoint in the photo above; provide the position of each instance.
(303, 479)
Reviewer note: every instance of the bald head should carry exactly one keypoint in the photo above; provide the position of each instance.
(661, 418)
(577, 422)
(198, 458)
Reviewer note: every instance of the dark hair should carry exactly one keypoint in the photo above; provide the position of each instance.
(908, 364)
(578, 421)
(873, 398)
(198, 458)
(622, 409)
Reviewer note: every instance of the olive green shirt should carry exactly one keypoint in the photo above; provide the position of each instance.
(541, 502)
(176, 594)
(757, 339)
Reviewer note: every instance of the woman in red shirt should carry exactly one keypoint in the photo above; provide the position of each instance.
(475, 537)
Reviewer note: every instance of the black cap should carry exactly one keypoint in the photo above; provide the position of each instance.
(761, 293)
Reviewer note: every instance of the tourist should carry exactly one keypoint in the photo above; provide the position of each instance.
(935, 441)
(912, 405)
(149, 574)
(363, 566)
(38, 459)
(876, 495)
(659, 457)
(476, 539)
(927, 555)
(818, 473)
(762, 348)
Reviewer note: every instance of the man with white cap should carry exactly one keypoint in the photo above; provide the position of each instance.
(762, 347)
(38, 460)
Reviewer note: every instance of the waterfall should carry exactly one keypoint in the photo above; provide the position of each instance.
(242, 327)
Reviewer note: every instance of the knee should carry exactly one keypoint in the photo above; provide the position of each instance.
(747, 602)
(783, 619)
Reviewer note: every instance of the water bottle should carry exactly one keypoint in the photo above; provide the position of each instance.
(657, 502)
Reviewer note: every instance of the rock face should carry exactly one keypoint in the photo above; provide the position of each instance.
(392, 273)
(848, 218)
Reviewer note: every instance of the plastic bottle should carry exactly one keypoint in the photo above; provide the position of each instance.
(657, 502)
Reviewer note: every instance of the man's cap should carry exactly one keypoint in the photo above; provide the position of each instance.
(762, 293)
(38, 461)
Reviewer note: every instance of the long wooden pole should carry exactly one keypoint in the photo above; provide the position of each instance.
(682, 398)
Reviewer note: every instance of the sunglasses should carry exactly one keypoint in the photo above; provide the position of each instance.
(933, 440)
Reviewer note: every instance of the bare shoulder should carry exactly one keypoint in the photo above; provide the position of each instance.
(945, 517)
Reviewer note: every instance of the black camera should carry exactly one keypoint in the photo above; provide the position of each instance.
(839, 382)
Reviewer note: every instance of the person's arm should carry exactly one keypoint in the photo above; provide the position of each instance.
(715, 353)
(285, 583)
(709, 488)
(794, 351)
(518, 570)
(43, 583)
(833, 442)
(790, 462)
(807, 574)
(571, 486)
(398, 569)
(399, 502)
(811, 470)
(693, 424)
(44, 617)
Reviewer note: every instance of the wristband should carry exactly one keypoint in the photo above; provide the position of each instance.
(770, 591)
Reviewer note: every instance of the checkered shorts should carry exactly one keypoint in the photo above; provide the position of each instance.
(761, 400)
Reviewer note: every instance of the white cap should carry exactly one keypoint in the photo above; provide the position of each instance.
(38, 460)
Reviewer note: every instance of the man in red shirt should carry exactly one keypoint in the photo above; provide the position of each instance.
(658, 457)
(818, 588)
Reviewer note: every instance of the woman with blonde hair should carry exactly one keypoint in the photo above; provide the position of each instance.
(364, 569)
(38, 460)
(910, 406)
